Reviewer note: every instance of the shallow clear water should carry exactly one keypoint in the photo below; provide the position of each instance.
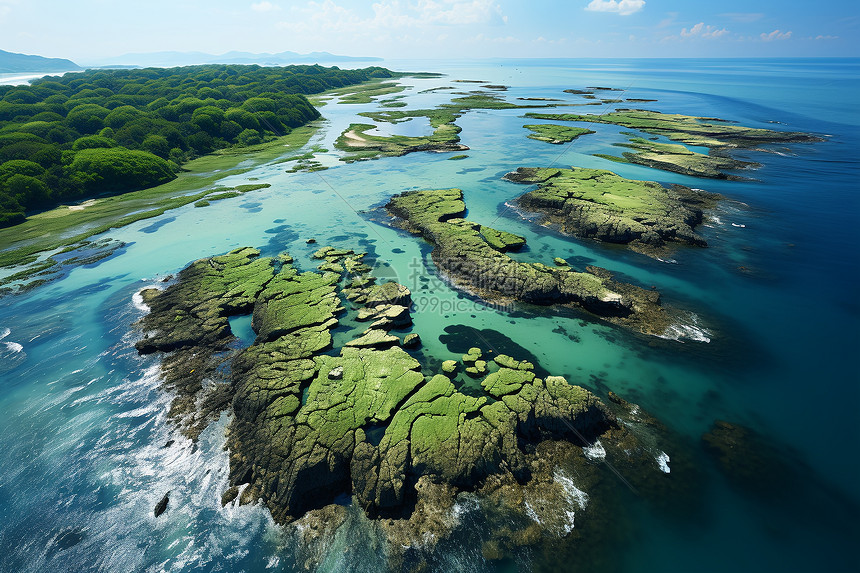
(89, 452)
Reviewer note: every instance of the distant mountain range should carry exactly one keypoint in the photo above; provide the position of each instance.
(169, 59)
(11, 62)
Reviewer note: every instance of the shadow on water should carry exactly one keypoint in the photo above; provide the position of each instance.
(459, 338)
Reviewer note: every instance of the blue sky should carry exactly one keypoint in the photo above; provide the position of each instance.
(85, 30)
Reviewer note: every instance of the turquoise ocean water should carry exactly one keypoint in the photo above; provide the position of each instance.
(87, 449)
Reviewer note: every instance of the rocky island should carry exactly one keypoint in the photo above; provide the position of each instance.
(473, 257)
(556, 134)
(361, 145)
(598, 204)
(368, 419)
(718, 135)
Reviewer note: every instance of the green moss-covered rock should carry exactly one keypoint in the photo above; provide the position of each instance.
(472, 355)
(311, 422)
(678, 159)
(374, 337)
(704, 131)
(557, 134)
(189, 320)
(506, 381)
(508, 362)
(501, 240)
(598, 204)
(464, 255)
(390, 293)
(716, 134)
(412, 340)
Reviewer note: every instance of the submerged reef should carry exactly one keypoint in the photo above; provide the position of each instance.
(313, 422)
(468, 254)
(598, 204)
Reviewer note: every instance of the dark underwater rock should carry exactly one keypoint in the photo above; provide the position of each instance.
(161, 506)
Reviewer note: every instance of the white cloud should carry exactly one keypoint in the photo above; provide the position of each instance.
(459, 12)
(700, 30)
(623, 7)
(743, 17)
(828, 37)
(775, 35)
(264, 7)
(668, 21)
(6, 8)
(390, 16)
(482, 39)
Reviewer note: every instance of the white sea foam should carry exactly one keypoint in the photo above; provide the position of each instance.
(681, 332)
(530, 511)
(595, 452)
(137, 301)
(687, 331)
(577, 500)
(4, 333)
(663, 462)
(716, 220)
(464, 504)
(573, 494)
(14, 346)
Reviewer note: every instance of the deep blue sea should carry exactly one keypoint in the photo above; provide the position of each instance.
(772, 334)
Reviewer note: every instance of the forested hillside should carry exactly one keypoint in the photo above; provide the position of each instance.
(110, 131)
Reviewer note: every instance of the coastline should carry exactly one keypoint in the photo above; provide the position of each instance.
(21, 245)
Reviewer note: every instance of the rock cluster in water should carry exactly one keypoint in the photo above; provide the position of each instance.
(474, 257)
(312, 423)
(718, 135)
(598, 204)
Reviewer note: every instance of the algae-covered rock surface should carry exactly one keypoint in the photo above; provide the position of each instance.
(718, 135)
(678, 159)
(693, 130)
(313, 422)
(464, 254)
(556, 134)
(189, 320)
(598, 204)
(361, 145)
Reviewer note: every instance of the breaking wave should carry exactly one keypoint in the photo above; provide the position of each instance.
(577, 500)
(595, 452)
(663, 462)
(14, 346)
(692, 331)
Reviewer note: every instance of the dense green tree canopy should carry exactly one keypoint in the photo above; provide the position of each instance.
(108, 131)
